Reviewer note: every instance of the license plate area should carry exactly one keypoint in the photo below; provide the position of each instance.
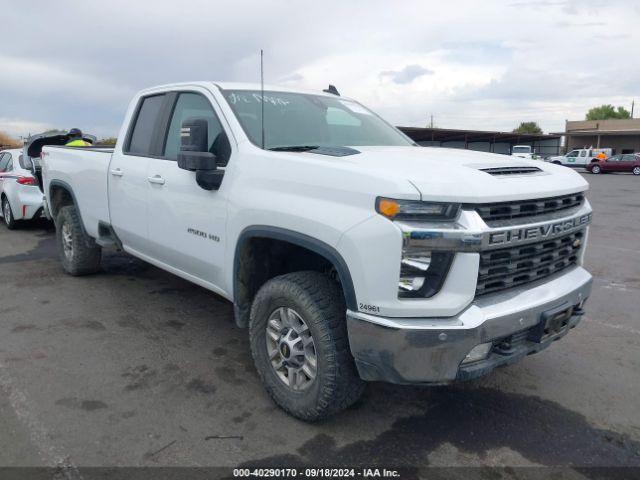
(553, 322)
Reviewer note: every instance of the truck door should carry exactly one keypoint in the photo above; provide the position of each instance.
(583, 158)
(570, 158)
(187, 223)
(127, 175)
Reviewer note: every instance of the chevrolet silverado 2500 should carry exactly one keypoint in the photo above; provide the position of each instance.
(350, 253)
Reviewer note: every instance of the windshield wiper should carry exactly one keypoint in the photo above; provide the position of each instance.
(294, 148)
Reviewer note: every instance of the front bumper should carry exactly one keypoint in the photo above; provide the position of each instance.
(432, 350)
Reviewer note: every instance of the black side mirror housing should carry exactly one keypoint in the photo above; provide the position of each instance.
(209, 179)
(194, 154)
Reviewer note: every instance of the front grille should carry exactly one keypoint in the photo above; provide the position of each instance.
(510, 267)
(527, 208)
(500, 171)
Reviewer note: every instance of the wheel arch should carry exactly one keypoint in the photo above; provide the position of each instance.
(245, 288)
(61, 195)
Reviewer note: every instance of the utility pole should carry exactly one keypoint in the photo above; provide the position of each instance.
(431, 122)
(633, 104)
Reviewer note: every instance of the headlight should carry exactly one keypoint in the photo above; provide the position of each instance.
(416, 210)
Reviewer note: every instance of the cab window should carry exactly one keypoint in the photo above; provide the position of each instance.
(573, 153)
(140, 142)
(193, 105)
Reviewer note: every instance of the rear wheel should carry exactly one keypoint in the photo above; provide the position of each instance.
(636, 170)
(596, 169)
(7, 214)
(300, 347)
(78, 252)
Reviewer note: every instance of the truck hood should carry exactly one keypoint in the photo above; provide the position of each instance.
(443, 174)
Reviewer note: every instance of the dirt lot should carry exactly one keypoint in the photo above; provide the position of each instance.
(135, 366)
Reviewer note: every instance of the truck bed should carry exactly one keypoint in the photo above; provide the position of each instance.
(85, 170)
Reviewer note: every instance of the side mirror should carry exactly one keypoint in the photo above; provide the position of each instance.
(194, 154)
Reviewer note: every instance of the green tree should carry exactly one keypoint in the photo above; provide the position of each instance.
(604, 112)
(528, 127)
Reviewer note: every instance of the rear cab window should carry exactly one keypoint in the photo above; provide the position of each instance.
(141, 135)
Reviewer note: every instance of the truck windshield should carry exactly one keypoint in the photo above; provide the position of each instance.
(521, 149)
(295, 121)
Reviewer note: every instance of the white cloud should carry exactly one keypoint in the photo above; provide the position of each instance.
(407, 74)
(470, 64)
(39, 79)
(17, 127)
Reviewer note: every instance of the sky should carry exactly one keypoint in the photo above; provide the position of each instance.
(485, 65)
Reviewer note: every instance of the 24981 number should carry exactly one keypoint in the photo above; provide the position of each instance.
(369, 308)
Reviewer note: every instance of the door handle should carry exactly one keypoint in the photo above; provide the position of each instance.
(157, 179)
(117, 172)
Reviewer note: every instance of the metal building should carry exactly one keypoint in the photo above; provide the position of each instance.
(485, 141)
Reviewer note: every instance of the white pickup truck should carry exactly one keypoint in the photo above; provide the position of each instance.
(350, 253)
(579, 158)
(525, 151)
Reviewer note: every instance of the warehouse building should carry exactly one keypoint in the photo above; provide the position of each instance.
(623, 136)
(484, 141)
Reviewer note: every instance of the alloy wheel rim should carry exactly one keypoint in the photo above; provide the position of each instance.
(67, 241)
(596, 169)
(636, 170)
(7, 213)
(291, 349)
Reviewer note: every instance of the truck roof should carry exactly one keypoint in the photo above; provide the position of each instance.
(239, 86)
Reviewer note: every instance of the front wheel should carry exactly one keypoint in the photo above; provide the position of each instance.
(78, 252)
(300, 347)
(7, 214)
(636, 170)
(595, 169)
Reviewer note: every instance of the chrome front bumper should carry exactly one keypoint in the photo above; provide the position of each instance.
(432, 350)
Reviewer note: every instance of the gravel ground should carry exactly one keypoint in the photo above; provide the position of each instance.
(136, 367)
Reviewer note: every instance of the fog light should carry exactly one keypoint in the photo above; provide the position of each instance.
(479, 352)
(422, 273)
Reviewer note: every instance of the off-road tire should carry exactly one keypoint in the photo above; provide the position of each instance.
(85, 255)
(320, 302)
(11, 223)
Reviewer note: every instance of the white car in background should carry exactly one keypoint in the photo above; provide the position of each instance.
(20, 196)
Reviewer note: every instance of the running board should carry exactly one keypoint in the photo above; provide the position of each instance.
(107, 238)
